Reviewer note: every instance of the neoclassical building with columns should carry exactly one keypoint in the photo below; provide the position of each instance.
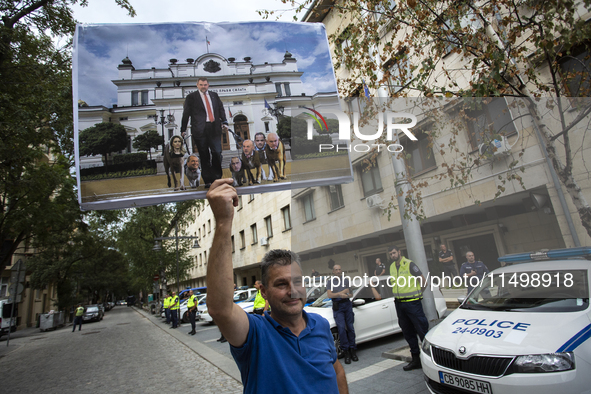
(152, 99)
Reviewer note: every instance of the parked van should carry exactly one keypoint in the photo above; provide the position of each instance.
(5, 309)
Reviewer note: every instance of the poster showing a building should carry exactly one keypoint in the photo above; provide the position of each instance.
(162, 110)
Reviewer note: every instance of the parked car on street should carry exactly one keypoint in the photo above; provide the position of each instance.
(130, 301)
(203, 313)
(184, 309)
(5, 311)
(92, 313)
(525, 329)
(375, 313)
(243, 295)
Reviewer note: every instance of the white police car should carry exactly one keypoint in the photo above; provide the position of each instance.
(525, 329)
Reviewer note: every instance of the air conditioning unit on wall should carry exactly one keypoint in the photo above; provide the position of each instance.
(264, 241)
(494, 147)
(375, 201)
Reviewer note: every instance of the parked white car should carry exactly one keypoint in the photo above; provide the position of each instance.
(248, 304)
(243, 295)
(184, 308)
(375, 317)
(202, 308)
(525, 329)
(5, 321)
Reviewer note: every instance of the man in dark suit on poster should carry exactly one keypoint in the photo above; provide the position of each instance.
(207, 120)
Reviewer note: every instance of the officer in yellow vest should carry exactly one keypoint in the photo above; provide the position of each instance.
(260, 304)
(192, 310)
(78, 318)
(174, 310)
(166, 306)
(407, 284)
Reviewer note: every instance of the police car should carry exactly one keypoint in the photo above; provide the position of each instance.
(525, 329)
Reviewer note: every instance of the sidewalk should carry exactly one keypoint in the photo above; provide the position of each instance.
(224, 363)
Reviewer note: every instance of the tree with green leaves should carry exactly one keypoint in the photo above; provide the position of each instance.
(36, 133)
(136, 239)
(145, 142)
(538, 51)
(102, 139)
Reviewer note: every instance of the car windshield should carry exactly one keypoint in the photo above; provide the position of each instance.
(314, 292)
(252, 297)
(531, 291)
(241, 296)
(92, 309)
(324, 302)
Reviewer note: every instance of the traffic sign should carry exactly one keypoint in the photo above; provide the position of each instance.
(15, 276)
(19, 266)
(156, 277)
(16, 288)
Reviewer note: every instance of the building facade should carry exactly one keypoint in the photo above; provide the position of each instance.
(152, 99)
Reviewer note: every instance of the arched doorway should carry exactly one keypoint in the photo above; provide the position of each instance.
(240, 128)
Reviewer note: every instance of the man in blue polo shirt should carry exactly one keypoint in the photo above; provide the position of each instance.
(287, 350)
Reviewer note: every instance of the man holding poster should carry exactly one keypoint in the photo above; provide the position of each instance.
(207, 120)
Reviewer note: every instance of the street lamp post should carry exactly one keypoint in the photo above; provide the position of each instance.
(176, 237)
(276, 111)
(162, 122)
(157, 247)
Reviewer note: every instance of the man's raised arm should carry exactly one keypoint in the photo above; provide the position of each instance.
(229, 317)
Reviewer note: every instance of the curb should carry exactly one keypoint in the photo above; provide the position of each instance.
(225, 364)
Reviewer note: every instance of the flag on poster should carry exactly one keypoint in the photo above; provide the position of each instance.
(365, 89)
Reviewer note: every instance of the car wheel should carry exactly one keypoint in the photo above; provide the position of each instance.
(185, 317)
(337, 342)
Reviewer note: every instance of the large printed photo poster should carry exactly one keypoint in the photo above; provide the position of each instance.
(162, 110)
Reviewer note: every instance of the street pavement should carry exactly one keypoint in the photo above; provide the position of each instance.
(124, 353)
(133, 351)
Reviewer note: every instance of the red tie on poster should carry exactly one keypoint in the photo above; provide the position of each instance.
(209, 111)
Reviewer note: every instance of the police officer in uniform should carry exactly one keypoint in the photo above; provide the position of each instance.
(78, 318)
(174, 310)
(446, 258)
(407, 299)
(166, 305)
(260, 304)
(474, 271)
(192, 310)
(339, 289)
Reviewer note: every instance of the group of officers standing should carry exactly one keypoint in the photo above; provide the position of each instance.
(171, 305)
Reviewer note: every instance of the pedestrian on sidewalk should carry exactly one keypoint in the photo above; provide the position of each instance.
(78, 318)
(283, 351)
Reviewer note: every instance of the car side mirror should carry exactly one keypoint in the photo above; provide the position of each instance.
(358, 302)
(461, 299)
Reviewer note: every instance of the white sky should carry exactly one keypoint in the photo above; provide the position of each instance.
(155, 11)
